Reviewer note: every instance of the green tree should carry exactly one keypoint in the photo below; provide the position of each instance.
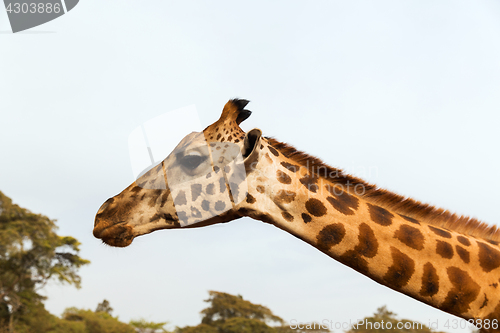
(31, 253)
(232, 314)
(39, 320)
(225, 306)
(245, 325)
(104, 307)
(385, 321)
(202, 328)
(143, 326)
(96, 322)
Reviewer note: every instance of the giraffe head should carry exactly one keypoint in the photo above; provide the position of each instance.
(203, 181)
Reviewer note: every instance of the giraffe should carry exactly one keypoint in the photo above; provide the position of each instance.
(447, 261)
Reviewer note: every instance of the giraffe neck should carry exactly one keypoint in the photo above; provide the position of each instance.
(446, 269)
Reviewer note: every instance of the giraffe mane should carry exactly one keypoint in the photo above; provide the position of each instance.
(394, 202)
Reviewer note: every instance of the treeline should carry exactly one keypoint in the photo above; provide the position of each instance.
(32, 253)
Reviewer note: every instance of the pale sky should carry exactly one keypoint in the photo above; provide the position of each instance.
(404, 94)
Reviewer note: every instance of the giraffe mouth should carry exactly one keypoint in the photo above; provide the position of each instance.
(118, 235)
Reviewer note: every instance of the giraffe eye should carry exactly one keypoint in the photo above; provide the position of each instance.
(192, 161)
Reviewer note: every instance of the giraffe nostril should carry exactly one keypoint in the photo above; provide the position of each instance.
(104, 205)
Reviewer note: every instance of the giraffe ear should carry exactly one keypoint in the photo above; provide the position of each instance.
(251, 147)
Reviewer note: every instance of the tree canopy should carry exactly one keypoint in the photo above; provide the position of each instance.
(104, 307)
(232, 314)
(31, 253)
(385, 321)
(96, 322)
(144, 326)
(224, 306)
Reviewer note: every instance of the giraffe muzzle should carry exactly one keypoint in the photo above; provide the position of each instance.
(119, 235)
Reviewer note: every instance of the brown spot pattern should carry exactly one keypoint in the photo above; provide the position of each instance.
(284, 196)
(152, 201)
(315, 207)
(290, 167)
(444, 249)
(440, 232)
(463, 254)
(219, 205)
(260, 189)
(430, 281)
(344, 203)
(306, 217)
(410, 236)
(368, 244)
(283, 177)
(250, 199)
(401, 271)
(273, 151)
(310, 183)
(180, 199)
(287, 216)
(380, 215)
(153, 196)
(354, 260)
(210, 189)
(222, 184)
(136, 189)
(464, 240)
(409, 219)
(489, 258)
(195, 191)
(164, 198)
(205, 205)
(195, 212)
(155, 218)
(182, 216)
(464, 291)
(330, 235)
